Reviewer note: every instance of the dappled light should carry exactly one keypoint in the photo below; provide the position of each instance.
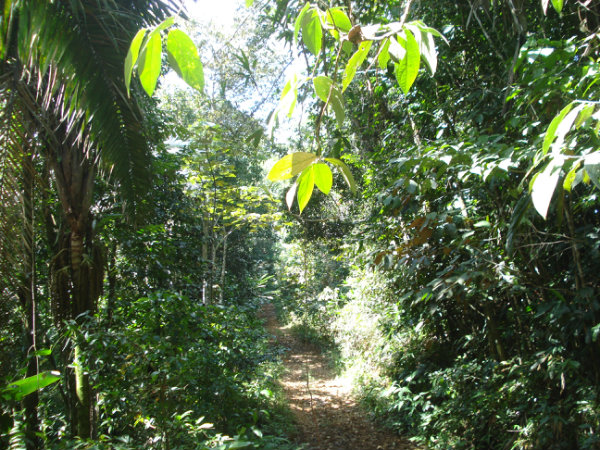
(302, 225)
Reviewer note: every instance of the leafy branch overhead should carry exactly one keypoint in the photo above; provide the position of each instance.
(313, 171)
(145, 53)
(402, 45)
(559, 155)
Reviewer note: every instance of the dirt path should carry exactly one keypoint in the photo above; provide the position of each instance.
(327, 416)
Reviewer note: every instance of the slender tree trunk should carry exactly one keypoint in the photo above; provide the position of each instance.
(205, 299)
(74, 175)
(28, 302)
(223, 267)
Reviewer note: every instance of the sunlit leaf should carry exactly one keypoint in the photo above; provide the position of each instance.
(291, 165)
(328, 92)
(150, 62)
(384, 54)
(289, 196)
(249, 3)
(183, 57)
(558, 5)
(542, 188)
(592, 167)
(545, 6)
(345, 171)
(355, 62)
(337, 18)
(571, 176)
(551, 131)
(299, 20)
(312, 32)
(164, 24)
(132, 56)
(323, 177)
(407, 69)
(306, 184)
(19, 389)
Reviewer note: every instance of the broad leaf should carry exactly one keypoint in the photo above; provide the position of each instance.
(299, 20)
(312, 32)
(558, 5)
(323, 177)
(288, 99)
(337, 18)
(291, 165)
(543, 187)
(384, 54)
(551, 131)
(571, 176)
(585, 114)
(306, 184)
(164, 24)
(329, 93)
(545, 6)
(150, 62)
(426, 44)
(19, 389)
(249, 3)
(395, 50)
(345, 171)
(132, 56)
(407, 69)
(355, 62)
(322, 86)
(183, 57)
(592, 167)
(289, 196)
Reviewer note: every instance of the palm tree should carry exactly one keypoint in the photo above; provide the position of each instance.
(63, 100)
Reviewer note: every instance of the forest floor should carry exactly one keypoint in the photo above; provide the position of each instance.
(327, 416)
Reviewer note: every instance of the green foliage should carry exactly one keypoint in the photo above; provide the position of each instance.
(145, 52)
(172, 368)
(16, 390)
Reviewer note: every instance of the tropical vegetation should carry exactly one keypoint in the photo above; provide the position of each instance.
(447, 258)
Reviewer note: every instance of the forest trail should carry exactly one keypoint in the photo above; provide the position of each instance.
(327, 416)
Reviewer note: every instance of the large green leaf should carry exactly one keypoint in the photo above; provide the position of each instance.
(183, 57)
(558, 5)
(289, 196)
(355, 62)
(312, 32)
(592, 167)
(328, 92)
(291, 165)
(323, 177)
(337, 18)
(551, 132)
(299, 20)
(19, 389)
(426, 45)
(542, 188)
(132, 56)
(384, 54)
(306, 184)
(345, 171)
(150, 62)
(569, 181)
(407, 68)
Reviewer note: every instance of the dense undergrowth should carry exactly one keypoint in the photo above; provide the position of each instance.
(170, 372)
(444, 393)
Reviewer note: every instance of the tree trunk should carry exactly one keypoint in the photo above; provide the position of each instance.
(74, 175)
(223, 267)
(27, 297)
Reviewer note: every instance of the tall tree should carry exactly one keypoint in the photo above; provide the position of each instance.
(64, 63)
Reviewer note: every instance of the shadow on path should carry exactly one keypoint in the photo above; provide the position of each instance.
(327, 416)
